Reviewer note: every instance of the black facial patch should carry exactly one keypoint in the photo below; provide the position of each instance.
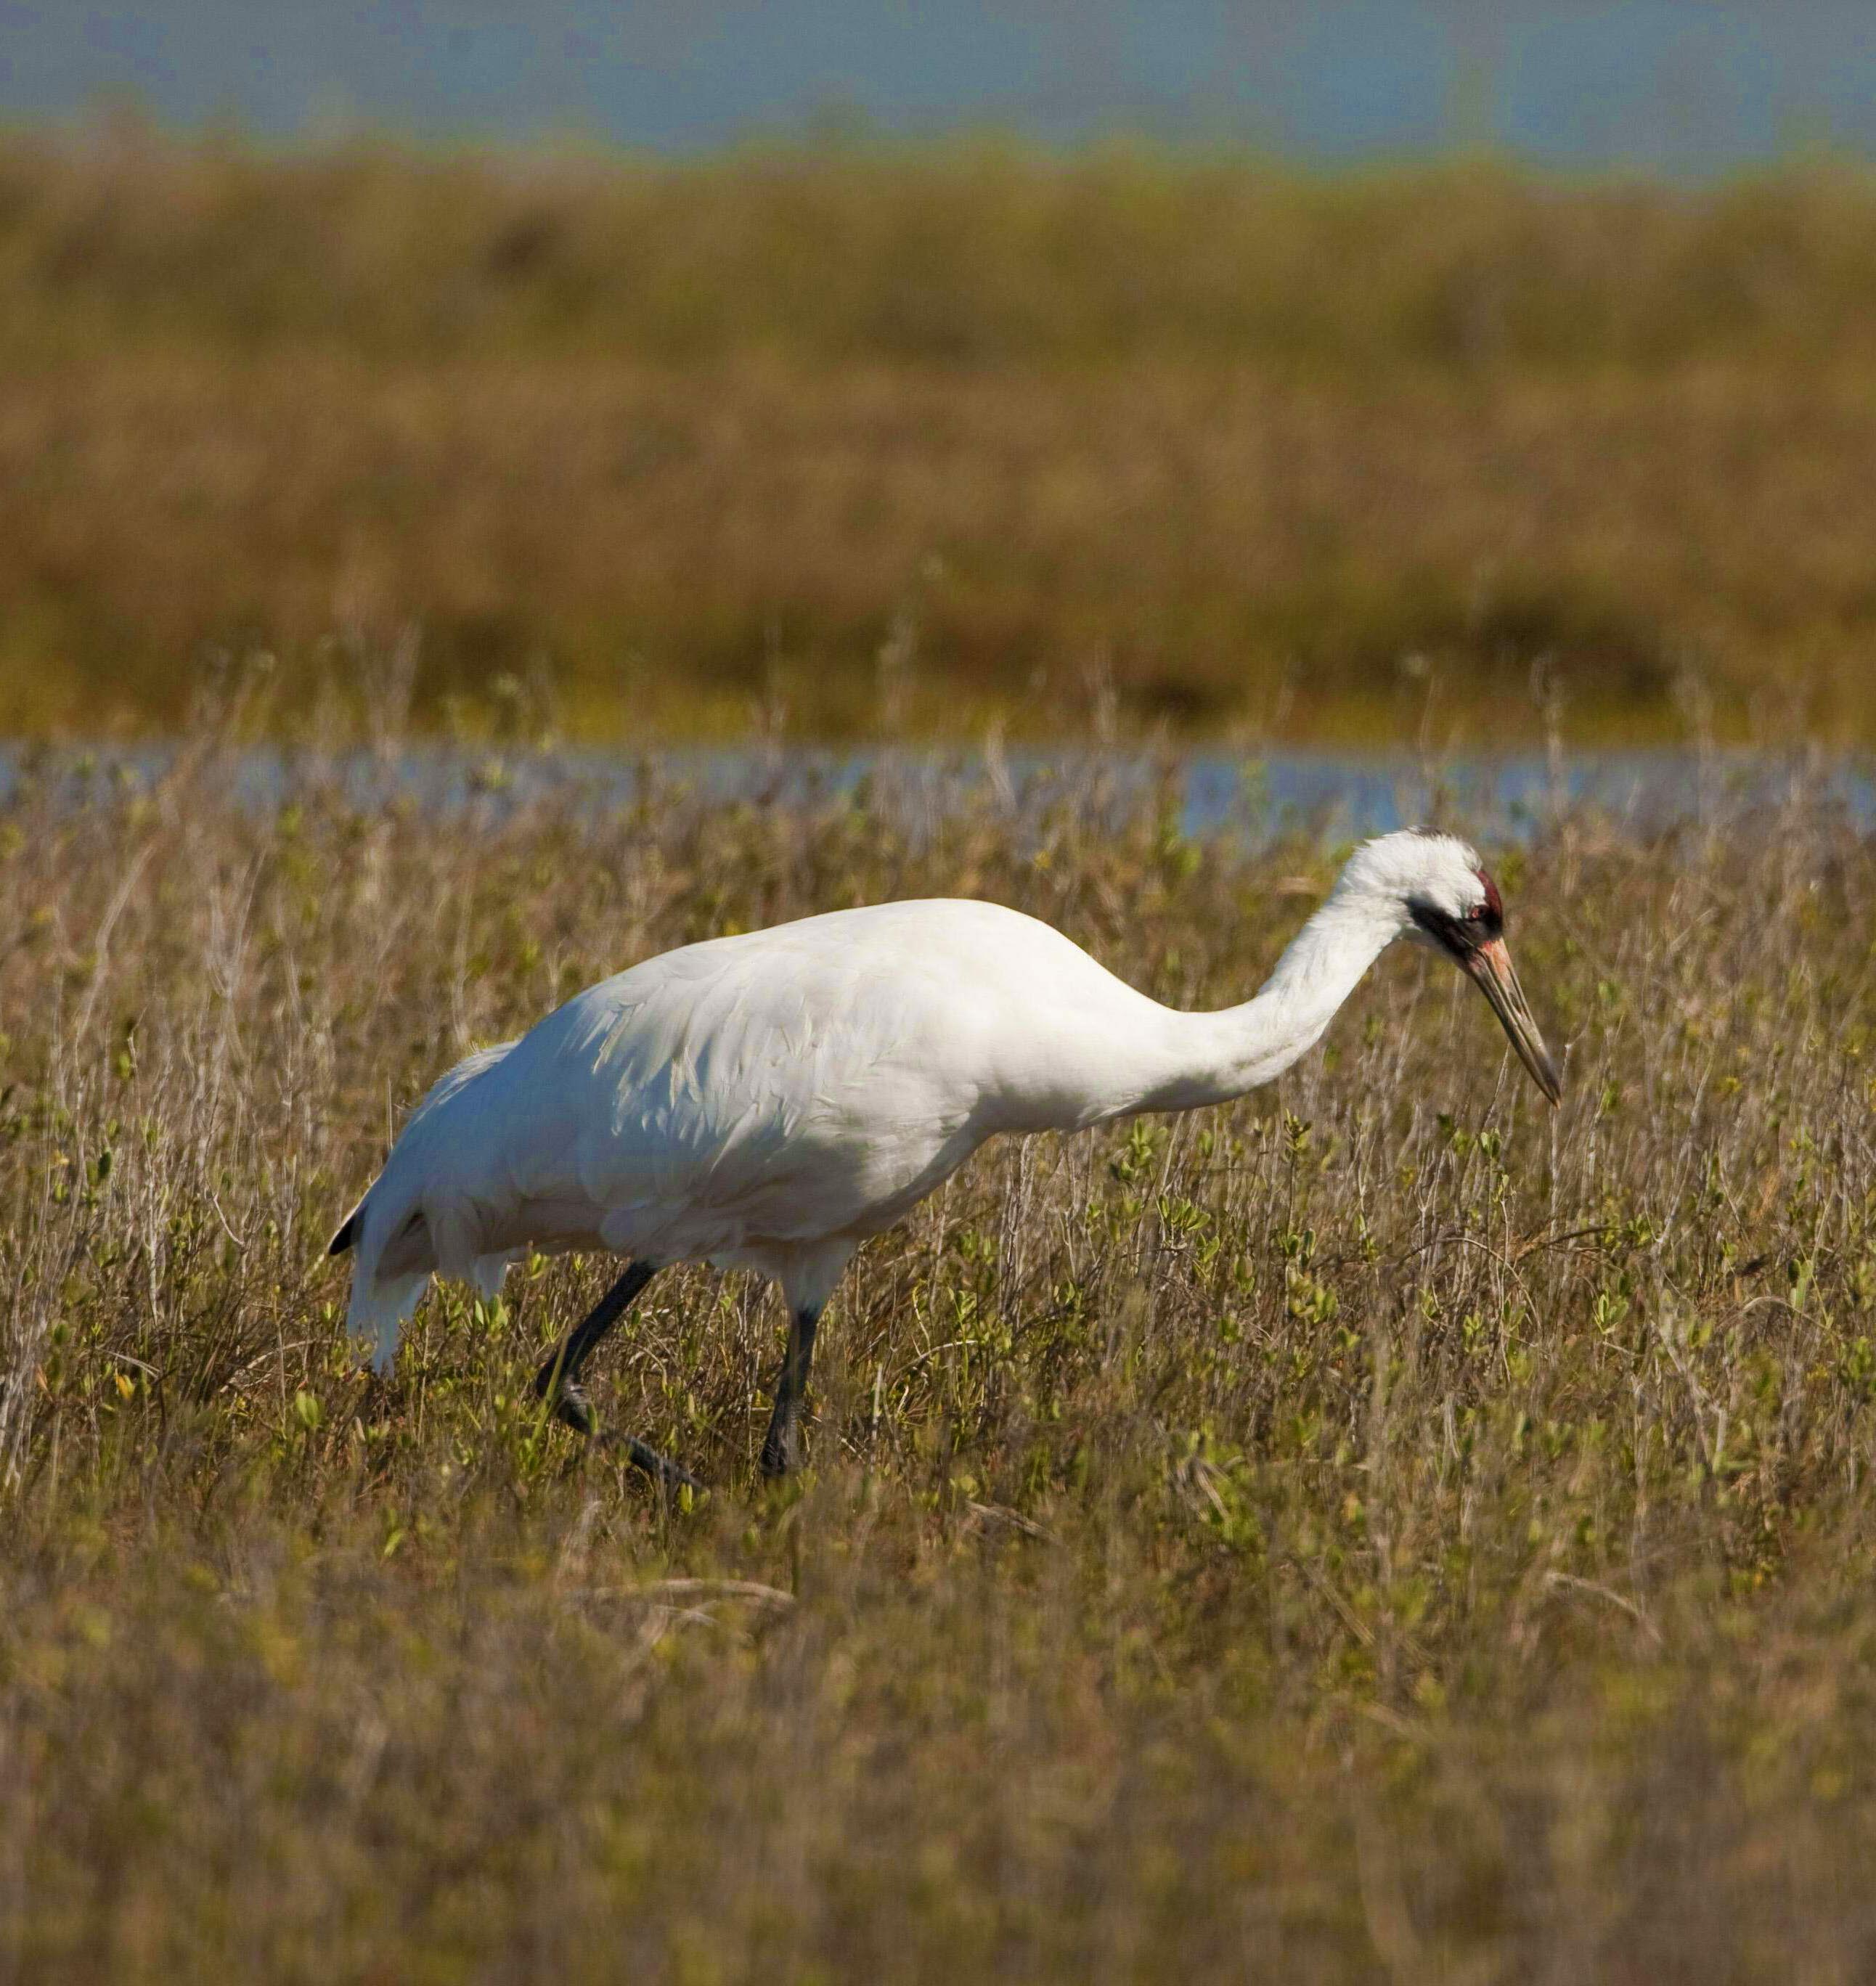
(1455, 934)
(1463, 936)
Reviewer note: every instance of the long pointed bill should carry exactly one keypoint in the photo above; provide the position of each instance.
(1496, 978)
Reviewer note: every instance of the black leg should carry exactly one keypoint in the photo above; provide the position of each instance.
(781, 1448)
(559, 1378)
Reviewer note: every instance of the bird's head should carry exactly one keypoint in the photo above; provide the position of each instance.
(1437, 889)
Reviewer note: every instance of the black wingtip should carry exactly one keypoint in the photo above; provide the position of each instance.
(346, 1236)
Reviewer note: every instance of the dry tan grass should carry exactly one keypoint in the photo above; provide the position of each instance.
(1379, 1529)
(916, 443)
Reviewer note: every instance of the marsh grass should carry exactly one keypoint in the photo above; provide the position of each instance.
(893, 441)
(1378, 1530)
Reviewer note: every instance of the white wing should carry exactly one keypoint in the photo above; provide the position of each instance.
(739, 1097)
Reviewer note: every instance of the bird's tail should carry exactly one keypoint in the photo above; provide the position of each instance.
(383, 1293)
(389, 1234)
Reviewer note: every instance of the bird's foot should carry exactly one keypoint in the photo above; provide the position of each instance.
(574, 1409)
(662, 1470)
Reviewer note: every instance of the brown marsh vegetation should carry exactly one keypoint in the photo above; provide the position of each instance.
(1383, 1529)
(911, 442)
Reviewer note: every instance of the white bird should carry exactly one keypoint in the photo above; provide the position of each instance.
(768, 1101)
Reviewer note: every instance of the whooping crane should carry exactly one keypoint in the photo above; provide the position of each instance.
(768, 1101)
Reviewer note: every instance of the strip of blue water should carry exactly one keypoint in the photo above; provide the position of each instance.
(1203, 795)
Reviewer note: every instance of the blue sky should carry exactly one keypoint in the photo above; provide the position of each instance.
(1692, 86)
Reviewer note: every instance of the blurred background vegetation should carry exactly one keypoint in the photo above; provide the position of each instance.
(846, 437)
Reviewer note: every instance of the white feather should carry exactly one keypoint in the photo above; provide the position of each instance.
(767, 1101)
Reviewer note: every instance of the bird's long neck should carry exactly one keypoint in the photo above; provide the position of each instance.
(1212, 1058)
